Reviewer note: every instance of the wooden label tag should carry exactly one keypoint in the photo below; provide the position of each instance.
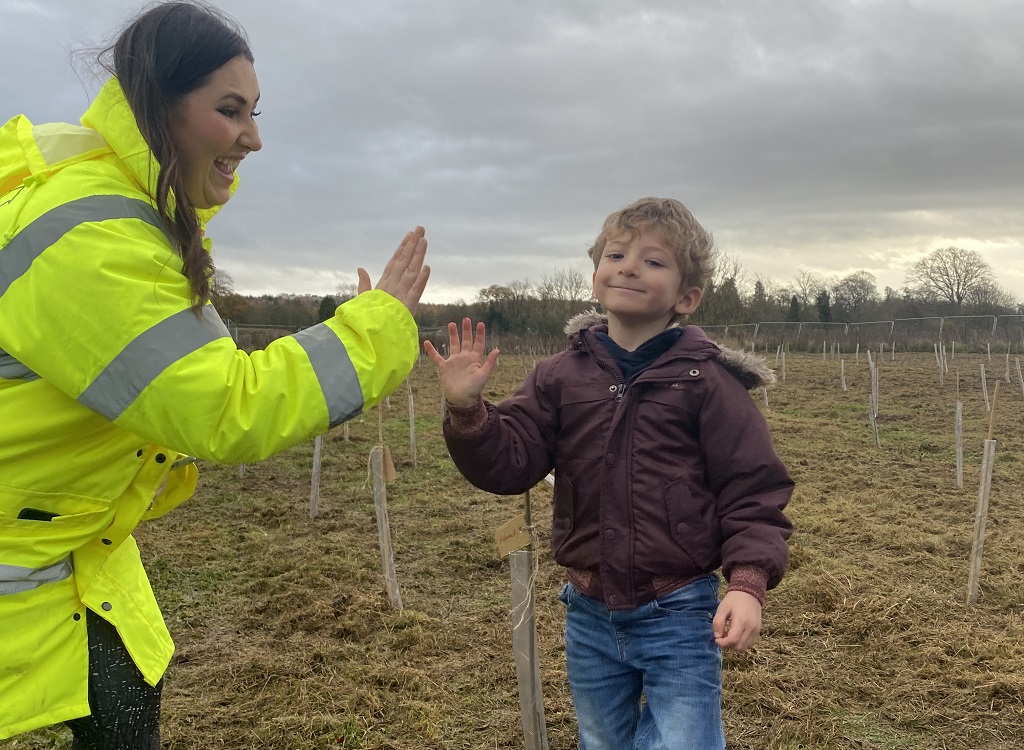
(389, 466)
(512, 535)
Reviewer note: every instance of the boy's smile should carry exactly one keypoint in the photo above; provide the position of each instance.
(640, 286)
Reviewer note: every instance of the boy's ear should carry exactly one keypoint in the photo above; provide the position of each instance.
(689, 301)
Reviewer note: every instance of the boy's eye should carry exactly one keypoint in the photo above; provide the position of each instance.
(655, 263)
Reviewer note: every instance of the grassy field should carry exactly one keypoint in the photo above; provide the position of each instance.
(286, 638)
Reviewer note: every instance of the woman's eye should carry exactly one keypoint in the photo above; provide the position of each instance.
(229, 111)
(255, 113)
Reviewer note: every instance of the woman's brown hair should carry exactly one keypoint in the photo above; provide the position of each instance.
(163, 54)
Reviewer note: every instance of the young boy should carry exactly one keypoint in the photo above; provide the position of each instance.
(664, 472)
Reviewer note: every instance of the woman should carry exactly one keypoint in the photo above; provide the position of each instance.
(115, 370)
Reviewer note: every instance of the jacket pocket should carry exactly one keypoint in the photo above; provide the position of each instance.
(30, 541)
(693, 524)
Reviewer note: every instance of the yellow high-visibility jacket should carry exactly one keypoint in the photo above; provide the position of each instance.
(107, 379)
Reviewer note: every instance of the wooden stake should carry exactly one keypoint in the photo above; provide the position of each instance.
(241, 470)
(314, 483)
(524, 642)
(412, 427)
(980, 519)
(992, 411)
(958, 442)
(380, 504)
(984, 388)
(842, 373)
(389, 464)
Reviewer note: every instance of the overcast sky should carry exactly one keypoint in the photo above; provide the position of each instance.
(832, 136)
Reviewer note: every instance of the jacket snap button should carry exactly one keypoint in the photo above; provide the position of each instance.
(107, 606)
(694, 373)
(612, 388)
(76, 617)
(106, 541)
(139, 453)
(609, 534)
(681, 528)
(613, 599)
(160, 458)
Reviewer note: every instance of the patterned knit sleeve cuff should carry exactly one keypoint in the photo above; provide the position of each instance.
(750, 580)
(466, 420)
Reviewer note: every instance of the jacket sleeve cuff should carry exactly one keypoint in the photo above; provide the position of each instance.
(466, 420)
(750, 580)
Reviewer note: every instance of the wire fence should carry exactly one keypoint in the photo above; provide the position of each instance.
(980, 333)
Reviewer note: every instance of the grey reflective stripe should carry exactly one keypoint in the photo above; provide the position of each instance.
(12, 369)
(335, 371)
(14, 579)
(148, 355)
(31, 241)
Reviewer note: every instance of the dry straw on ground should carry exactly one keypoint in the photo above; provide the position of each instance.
(286, 638)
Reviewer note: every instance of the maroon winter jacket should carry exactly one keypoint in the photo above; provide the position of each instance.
(658, 480)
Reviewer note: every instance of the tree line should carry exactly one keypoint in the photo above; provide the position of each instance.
(948, 281)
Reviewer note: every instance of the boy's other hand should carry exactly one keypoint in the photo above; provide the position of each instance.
(737, 623)
(466, 371)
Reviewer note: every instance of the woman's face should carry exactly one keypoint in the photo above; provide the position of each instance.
(213, 129)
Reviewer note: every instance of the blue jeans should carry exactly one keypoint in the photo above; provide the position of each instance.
(664, 651)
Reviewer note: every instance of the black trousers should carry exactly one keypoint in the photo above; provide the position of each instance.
(125, 708)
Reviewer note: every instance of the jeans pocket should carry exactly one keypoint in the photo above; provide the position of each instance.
(698, 598)
(565, 595)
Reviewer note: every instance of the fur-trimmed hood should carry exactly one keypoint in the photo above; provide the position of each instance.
(750, 369)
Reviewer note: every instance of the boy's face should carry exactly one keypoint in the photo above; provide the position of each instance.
(638, 279)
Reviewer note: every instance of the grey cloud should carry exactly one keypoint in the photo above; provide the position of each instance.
(827, 135)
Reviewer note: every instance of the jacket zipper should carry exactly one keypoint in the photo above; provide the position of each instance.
(622, 385)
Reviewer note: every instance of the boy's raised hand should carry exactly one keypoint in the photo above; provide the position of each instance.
(466, 371)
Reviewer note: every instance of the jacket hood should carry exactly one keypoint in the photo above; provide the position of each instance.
(30, 154)
(111, 115)
(751, 370)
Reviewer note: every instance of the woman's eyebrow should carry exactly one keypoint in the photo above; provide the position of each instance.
(241, 100)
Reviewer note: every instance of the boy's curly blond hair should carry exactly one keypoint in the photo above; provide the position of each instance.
(693, 245)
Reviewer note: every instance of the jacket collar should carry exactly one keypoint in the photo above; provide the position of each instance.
(111, 116)
(751, 370)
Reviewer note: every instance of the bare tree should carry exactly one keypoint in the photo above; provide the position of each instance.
(806, 286)
(854, 295)
(221, 284)
(346, 291)
(991, 299)
(564, 285)
(951, 274)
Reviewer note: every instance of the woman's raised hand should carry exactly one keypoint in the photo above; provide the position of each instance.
(405, 276)
(466, 371)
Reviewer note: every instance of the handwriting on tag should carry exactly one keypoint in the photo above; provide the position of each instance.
(512, 535)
